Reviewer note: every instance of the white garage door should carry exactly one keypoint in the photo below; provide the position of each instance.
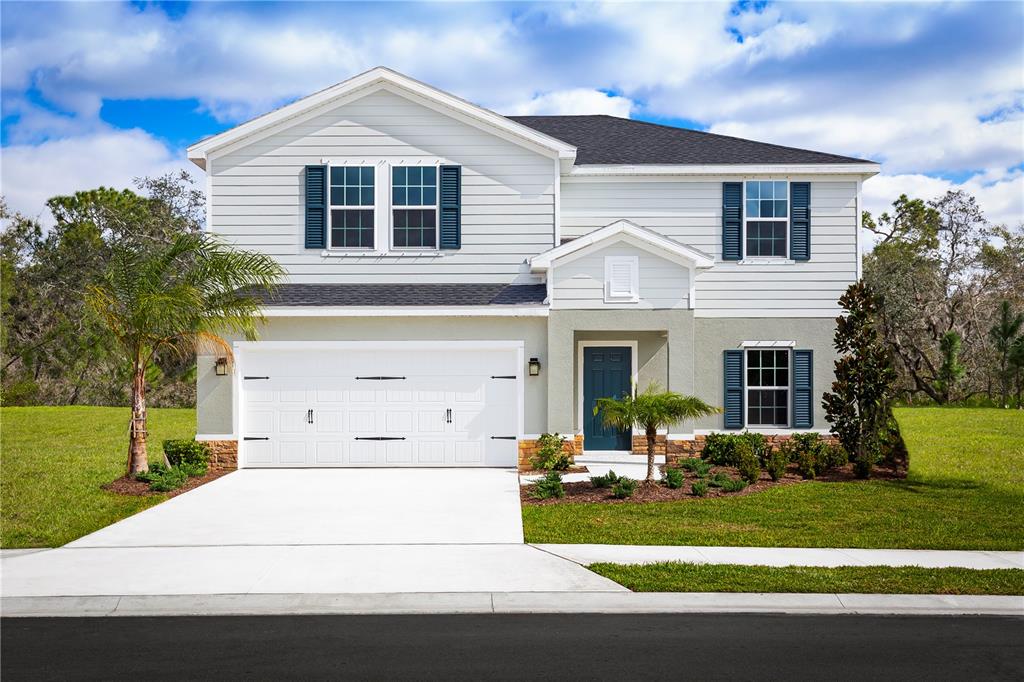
(402, 407)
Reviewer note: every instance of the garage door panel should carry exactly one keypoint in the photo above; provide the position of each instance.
(446, 408)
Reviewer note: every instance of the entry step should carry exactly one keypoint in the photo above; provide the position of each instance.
(615, 458)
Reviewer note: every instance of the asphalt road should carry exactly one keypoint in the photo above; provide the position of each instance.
(479, 647)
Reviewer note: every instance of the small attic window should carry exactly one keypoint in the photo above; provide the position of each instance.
(621, 279)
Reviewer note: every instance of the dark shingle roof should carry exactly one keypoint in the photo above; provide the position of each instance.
(405, 294)
(602, 139)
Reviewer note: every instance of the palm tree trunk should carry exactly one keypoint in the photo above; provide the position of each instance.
(138, 458)
(652, 435)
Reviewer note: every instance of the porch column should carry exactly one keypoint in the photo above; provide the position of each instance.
(560, 374)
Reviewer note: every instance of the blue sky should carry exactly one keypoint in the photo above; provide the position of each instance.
(99, 93)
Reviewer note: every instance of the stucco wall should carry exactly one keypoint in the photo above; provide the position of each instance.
(214, 394)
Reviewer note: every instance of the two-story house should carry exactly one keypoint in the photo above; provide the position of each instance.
(459, 282)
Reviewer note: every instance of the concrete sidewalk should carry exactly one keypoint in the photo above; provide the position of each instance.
(784, 556)
(507, 603)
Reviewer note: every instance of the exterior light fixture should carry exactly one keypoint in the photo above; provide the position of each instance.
(221, 367)
(534, 367)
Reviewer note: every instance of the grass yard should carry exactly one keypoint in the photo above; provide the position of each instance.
(677, 577)
(965, 490)
(53, 461)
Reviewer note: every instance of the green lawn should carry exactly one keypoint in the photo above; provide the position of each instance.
(53, 461)
(965, 491)
(676, 577)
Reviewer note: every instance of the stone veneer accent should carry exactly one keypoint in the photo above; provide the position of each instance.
(223, 453)
(528, 449)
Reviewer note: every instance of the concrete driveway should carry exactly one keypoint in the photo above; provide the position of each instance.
(330, 507)
(303, 531)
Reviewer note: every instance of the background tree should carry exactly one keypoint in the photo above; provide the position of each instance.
(170, 298)
(1004, 333)
(1017, 363)
(951, 370)
(859, 407)
(651, 410)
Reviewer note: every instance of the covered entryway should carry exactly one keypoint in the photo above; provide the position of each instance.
(379, 404)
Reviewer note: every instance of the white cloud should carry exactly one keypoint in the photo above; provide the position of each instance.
(575, 101)
(31, 174)
(1002, 198)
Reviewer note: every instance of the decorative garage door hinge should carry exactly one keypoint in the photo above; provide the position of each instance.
(380, 378)
(250, 378)
(503, 437)
(503, 376)
(380, 437)
(255, 438)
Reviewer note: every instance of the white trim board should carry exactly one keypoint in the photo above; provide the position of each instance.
(866, 169)
(634, 347)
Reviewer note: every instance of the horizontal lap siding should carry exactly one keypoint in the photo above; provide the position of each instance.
(690, 212)
(507, 193)
(580, 283)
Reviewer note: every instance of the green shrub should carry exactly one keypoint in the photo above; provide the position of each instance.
(674, 478)
(862, 466)
(698, 466)
(748, 463)
(623, 488)
(725, 449)
(758, 445)
(161, 479)
(775, 463)
(812, 454)
(719, 479)
(834, 456)
(606, 481)
(551, 455)
(191, 456)
(734, 485)
(699, 488)
(549, 486)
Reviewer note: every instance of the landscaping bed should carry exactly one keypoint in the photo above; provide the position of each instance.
(684, 577)
(127, 485)
(584, 491)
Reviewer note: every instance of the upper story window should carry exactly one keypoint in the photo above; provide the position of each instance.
(352, 207)
(766, 218)
(768, 387)
(414, 207)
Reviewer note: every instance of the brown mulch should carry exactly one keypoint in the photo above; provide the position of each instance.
(584, 491)
(129, 486)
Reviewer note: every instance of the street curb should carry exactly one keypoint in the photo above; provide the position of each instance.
(509, 603)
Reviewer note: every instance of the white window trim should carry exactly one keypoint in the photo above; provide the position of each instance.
(634, 285)
(374, 250)
(747, 388)
(765, 260)
(414, 250)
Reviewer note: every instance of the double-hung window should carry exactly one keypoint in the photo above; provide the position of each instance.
(414, 207)
(766, 218)
(352, 207)
(768, 387)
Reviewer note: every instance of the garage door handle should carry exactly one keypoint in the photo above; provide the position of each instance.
(379, 378)
(380, 437)
(503, 437)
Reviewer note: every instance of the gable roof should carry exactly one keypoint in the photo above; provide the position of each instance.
(609, 140)
(371, 81)
(624, 229)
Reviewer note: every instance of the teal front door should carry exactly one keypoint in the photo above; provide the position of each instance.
(606, 374)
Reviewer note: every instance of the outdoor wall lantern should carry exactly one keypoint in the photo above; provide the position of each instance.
(534, 367)
(221, 367)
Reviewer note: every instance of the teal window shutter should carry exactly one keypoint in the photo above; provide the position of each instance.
(733, 389)
(803, 389)
(732, 220)
(316, 207)
(451, 207)
(800, 220)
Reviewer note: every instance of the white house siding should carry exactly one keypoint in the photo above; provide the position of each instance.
(257, 197)
(579, 284)
(690, 211)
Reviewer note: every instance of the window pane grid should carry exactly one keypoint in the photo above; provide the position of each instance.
(767, 387)
(352, 201)
(766, 212)
(414, 186)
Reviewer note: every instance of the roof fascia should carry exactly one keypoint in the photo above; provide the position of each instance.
(596, 170)
(623, 230)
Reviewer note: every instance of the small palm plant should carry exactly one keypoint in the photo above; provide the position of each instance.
(651, 410)
(176, 297)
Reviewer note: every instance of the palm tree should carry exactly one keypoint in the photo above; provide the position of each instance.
(651, 410)
(175, 297)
